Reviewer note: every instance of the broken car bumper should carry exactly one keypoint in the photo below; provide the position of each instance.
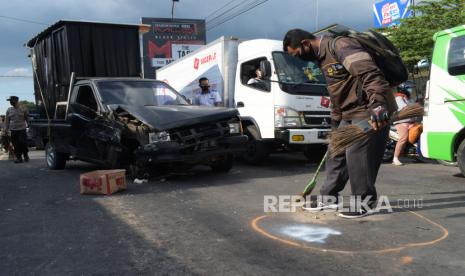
(172, 151)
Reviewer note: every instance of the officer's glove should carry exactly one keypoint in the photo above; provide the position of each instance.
(379, 116)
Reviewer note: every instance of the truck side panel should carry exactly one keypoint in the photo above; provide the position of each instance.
(86, 48)
(57, 132)
(215, 61)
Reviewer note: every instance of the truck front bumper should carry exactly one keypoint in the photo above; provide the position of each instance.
(168, 152)
(302, 136)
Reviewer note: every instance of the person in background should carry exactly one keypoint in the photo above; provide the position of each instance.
(258, 77)
(16, 122)
(402, 126)
(207, 97)
(3, 134)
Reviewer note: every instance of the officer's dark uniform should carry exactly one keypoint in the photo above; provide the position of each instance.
(355, 85)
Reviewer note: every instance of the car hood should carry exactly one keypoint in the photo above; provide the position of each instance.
(174, 116)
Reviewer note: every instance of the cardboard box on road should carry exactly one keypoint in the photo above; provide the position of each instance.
(103, 182)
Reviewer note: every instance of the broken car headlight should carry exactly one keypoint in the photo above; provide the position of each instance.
(162, 136)
(235, 128)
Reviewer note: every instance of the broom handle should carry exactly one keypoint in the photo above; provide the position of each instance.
(311, 184)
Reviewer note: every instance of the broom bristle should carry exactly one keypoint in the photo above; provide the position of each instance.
(342, 138)
(410, 111)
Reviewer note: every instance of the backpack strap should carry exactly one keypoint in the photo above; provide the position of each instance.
(332, 51)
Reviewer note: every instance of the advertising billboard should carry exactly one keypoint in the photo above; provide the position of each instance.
(388, 13)
(169, 40)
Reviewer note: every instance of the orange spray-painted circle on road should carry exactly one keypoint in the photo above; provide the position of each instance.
(255, 224)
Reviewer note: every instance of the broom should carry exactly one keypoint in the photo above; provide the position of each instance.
(344, 137)
(312, 183)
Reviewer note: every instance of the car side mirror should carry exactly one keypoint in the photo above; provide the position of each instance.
(265, 67)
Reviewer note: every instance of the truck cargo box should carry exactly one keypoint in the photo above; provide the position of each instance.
(89, 49)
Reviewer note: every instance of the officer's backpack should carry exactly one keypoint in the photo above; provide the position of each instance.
(383, 52)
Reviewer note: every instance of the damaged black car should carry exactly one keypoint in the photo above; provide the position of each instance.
(94, 105)
(143, 125)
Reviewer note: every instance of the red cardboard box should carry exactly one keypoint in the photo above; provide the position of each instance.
(103, 182)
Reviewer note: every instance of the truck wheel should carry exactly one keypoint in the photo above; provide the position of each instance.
(55, 160)
(461, 157)
(256, 151)
(223, 165)
(314, 153)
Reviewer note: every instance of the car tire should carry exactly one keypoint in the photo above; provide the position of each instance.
(223, 165)
(257, 151)
(55, 160)
(461, 157)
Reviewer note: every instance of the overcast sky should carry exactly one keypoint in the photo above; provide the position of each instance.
(270, 20)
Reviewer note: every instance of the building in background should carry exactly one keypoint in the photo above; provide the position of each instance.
(169, 40)
(388, 13)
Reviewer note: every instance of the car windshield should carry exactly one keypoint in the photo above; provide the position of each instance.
(139, 93)
(294, 71)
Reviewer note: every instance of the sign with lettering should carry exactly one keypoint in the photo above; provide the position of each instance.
(169, 40)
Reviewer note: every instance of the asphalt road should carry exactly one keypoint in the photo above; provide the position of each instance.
(204, 223)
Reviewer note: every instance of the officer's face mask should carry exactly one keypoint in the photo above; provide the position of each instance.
(13, 103)
(205, 87)
(306, 53)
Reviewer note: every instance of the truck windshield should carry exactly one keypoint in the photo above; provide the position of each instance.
(139, 93)
(297, 76)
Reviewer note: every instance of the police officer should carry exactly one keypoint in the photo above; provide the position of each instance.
(16, 122)
(207, 97)
(358, 91)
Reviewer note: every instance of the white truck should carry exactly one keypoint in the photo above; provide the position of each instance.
(289, 109)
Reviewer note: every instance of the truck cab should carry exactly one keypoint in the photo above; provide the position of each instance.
(289, 108)
(443, 136)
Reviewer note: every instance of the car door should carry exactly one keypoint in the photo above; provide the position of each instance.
(84, 117)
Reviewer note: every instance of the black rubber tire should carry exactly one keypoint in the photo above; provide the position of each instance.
(55, 160)
(223, 165)
(461, 157)
(257, 151)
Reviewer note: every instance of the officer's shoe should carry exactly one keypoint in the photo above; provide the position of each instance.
(317, 206)
(26, 157)
(357, 214)
(18, 160)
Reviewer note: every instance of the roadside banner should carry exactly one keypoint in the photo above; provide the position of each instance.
(388, 13)
(169, 40)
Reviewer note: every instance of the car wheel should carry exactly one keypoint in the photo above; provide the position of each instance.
(55, 160)
(461, 157)
(256, 151)
(223, 165)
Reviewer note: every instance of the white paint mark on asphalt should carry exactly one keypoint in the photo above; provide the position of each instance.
(309, 233)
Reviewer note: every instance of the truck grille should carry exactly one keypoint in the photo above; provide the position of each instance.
(317, 119)
(200, 137)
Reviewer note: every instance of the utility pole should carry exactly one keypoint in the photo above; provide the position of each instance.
(412, 3)
(172, 9)
(316, 17)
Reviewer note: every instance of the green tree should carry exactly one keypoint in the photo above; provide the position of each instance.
(27, 104)
(414, 36)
